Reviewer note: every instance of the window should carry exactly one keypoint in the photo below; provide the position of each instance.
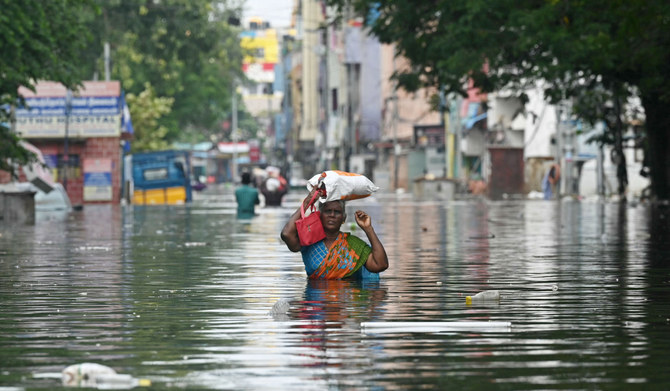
(154, 174)
(258, 53)
(70, 168)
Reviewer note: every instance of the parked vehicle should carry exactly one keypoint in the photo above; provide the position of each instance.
(160, 177)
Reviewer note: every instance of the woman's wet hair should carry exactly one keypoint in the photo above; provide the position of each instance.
(342, 202)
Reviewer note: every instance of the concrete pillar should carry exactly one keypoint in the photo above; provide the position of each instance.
(17, 207)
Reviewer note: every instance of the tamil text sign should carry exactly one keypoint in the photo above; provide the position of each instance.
(95, 111)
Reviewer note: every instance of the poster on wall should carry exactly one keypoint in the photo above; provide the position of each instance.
(97, 179)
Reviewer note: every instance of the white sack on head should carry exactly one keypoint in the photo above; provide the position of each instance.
(272, 170)
(272, 184)
(342, 185)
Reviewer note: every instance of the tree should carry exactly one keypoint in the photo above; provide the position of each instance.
(11, 152)
(574, 46)
(185, 49)
(41, 40)
(145, 110)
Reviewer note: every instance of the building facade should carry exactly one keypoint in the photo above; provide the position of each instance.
(80, 133)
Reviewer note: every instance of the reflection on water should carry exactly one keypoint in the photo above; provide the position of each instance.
(183, 296)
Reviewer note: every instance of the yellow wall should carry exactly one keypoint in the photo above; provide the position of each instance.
(263, 39)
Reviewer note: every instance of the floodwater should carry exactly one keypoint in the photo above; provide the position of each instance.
(184, 295)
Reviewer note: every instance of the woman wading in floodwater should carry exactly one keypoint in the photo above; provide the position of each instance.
(339, 254)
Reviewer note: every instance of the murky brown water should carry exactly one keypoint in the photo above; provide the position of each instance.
(182, 296)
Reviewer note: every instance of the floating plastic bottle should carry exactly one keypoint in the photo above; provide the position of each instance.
(483, 297)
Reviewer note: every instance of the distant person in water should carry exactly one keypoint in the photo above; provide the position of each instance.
(274, 187)
(247, 198)
(340, 254)
(550, 181)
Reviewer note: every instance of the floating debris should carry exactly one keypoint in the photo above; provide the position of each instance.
(99, 376)
(281, 307)
(483, 297)
(195, 244)
(434, 327)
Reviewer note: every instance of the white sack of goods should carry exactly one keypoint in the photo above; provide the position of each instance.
(340, 185)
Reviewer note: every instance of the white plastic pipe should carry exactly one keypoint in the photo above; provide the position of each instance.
(433, 327)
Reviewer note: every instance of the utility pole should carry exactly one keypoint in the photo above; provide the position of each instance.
(448, 168)
(345, 113)
(326, 100)
(456, 123)
(107, 62)
(66, 156)
(600, 171)
(270, 130)
(396, 147)
(234, 131)
(560, 142)
(351, 129)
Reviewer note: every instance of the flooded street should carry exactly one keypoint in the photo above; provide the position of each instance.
(184, 295)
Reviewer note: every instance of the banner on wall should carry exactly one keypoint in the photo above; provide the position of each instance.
(95, 110)
(97, 179)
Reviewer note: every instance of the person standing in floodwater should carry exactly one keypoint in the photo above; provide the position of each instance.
(274, 187)
(550, 181)
(339, 254)
(247, 198)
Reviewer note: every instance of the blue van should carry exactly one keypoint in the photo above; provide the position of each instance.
(161, 178)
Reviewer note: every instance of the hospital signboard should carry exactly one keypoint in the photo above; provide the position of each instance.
(94, 111)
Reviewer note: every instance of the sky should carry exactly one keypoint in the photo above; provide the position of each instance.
(277, 12)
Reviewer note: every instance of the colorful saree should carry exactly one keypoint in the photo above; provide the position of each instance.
(344, 259)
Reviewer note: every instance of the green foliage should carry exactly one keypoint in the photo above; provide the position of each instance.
(509, 43)
(38, 45)
(175, 58)
(11, 152)
(248, 127)
(146, 109)
(40, 40)
(185, 49)
(591, 51)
